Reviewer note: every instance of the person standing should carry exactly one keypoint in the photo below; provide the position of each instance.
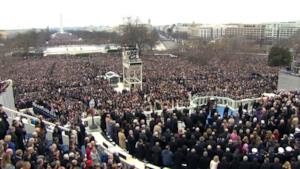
(20, 133)
(131, 141)
(287, 165)
(204, 161)
(276, 164)
(4, 125)
(122, 139)
(245, 163)
(214, 163)
(192, 159)
(156, 153)
(167, 157)
(57, 135)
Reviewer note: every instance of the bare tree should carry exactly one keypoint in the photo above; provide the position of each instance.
(138, 34)
(152, 38)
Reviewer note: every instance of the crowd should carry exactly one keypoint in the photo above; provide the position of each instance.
(167, 80)
(65, 85)
(22, 150)
(64, 38)
(267, 137)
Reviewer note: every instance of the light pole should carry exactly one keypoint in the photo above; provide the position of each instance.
(92, 105)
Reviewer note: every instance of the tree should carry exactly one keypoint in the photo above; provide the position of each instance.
(138, 34)
(152, 39)
(279, 56)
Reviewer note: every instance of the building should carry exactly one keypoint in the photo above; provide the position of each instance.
(187, 28)
(3, 34)
(248, 31)
(205, 32)
(260, 33)
(280, 31)
(295, 67)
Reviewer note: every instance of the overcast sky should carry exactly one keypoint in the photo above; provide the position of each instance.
(42, 13)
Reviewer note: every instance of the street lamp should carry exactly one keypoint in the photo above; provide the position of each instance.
(92, 105)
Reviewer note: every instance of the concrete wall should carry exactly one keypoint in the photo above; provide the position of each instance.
(7, 97)
(30, 127)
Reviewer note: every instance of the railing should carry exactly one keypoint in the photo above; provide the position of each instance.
(104, 144)
(108, 146)
(41, 110)
(222, 101)
(29, 122)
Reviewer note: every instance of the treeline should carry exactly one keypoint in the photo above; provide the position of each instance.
(31, 38)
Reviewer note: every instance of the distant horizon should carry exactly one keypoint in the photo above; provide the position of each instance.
(16, 14)
(86, 26)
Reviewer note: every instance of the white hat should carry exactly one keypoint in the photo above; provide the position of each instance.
(280, 150)
(71, 154)
(288, 149)
(254, 150)
(262, 121)
(254, 119)
(66, 156)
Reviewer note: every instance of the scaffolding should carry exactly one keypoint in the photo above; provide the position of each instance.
(132, 68)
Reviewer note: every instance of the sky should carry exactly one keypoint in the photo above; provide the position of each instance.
(21, 14)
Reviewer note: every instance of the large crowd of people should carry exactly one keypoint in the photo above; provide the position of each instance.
(22, 150)
(267, 136)
(67, 82)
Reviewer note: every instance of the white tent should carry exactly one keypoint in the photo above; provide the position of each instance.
(112, 77)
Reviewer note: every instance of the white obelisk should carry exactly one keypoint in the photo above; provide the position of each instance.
(61, 24)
